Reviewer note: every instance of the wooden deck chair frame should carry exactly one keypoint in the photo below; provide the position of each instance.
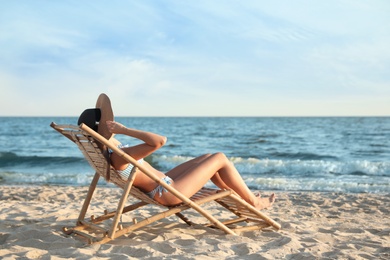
(90, 143)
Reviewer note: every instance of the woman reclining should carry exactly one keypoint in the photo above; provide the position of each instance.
(188, 178)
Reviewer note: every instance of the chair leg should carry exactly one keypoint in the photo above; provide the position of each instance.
(87, 200)
(121, 205)
(185, 219)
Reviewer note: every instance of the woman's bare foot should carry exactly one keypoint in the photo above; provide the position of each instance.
(264, 203)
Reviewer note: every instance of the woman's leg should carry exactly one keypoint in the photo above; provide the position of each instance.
(192, 180)
(184, 167)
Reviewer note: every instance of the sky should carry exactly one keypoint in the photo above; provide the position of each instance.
(196, 57)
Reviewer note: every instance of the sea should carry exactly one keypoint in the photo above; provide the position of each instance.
(325, 154)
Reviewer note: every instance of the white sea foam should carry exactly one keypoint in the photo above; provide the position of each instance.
(315, 175)
(291, 167)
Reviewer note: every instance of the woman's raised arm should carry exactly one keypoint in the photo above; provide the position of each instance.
(149, 138)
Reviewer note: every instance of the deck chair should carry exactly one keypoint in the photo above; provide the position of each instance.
(102, 229)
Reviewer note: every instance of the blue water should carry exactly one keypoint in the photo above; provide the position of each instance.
(344, 154)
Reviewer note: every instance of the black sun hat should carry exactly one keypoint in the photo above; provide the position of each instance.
(91, 118)
(96, 118)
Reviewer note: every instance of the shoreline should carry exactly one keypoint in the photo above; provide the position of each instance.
(315, 225)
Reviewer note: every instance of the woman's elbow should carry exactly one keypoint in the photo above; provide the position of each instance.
(163, 140)
(160, 142)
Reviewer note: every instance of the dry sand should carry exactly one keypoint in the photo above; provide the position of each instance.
(314, 226)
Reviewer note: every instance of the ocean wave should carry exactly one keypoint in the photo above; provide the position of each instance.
(48, 178)
(283, 183)
(303, 156)
(259, 174)
(315, 168)
(9, 159)
(246, 166)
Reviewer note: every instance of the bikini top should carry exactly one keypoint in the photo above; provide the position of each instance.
(124, 174)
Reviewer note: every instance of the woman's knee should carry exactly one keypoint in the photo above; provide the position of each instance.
(220, 156)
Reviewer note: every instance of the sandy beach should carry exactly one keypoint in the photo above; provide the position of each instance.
(314, 226)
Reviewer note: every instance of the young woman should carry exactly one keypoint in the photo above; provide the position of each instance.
(188, 178)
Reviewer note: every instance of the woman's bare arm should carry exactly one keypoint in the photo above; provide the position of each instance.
(149, 138)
